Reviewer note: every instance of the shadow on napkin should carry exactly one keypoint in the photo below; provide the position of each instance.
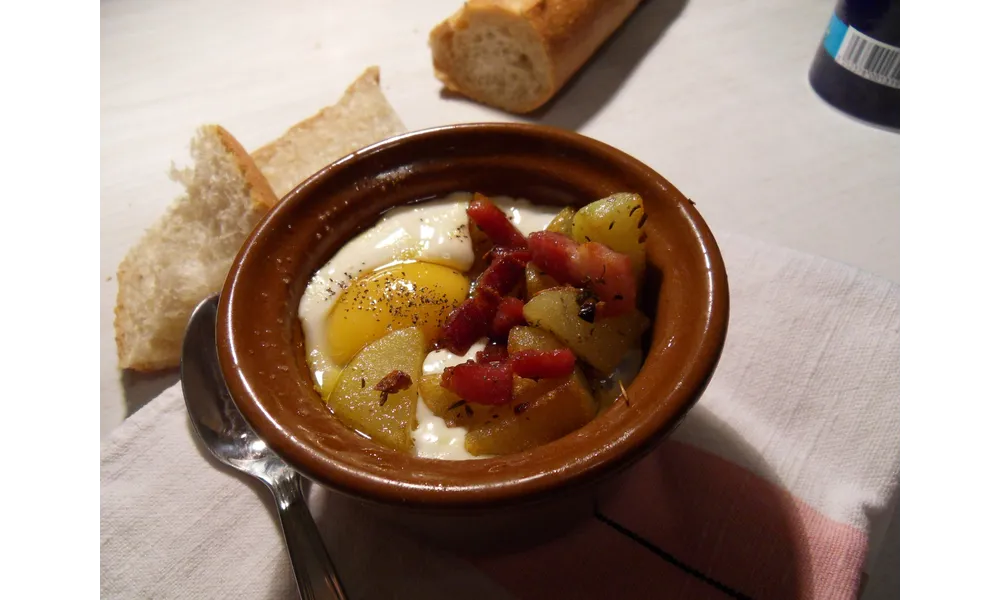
(377, 560)
(140, 388)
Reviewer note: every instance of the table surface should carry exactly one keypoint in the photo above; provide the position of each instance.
(713, 94)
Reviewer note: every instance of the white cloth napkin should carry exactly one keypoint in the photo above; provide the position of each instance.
(803, 413)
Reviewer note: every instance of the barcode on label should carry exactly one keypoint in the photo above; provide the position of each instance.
(869, 58)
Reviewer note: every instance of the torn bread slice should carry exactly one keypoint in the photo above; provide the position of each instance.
(362, 117)
(195, 242)
(187, 254)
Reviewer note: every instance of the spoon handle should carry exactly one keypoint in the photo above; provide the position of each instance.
(314, 573)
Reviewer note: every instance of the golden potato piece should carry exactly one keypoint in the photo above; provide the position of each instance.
(536, 280)
(356, 402)
(437, 398)
(617, 222)
(539, 416)
(563, 221)
(325, 372)
(602, 344)
(542, 411)
(522, 337)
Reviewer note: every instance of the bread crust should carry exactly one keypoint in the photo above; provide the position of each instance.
(261, 194)
(569, 31)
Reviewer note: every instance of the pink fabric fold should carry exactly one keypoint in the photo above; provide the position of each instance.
(684, 523)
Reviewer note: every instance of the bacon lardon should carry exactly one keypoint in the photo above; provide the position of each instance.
(490, 378)
(473, 319)
(469, 322)
(541, 364)
(481, 383)
(492, 353)
(608, 273)
(510, 313)
(494, 223)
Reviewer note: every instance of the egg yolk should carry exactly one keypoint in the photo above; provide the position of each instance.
(399, 296)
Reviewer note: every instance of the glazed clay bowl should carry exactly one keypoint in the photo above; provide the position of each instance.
(260, 341)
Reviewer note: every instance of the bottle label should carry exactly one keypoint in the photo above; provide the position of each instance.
(861, 54)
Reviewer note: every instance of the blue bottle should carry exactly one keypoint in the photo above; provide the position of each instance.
(856, 68)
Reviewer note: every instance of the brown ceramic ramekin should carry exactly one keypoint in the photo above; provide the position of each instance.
(260, 340)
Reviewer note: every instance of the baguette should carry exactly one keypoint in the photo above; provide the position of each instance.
(187, 254)
(516, 54)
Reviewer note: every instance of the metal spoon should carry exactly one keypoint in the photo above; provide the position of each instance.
(227, 435)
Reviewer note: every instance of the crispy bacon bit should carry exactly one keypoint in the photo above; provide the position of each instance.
(395, 381)
(509, 313)
(490, 383)
(469, 322)
(492, 353)
(542, 364)
(592, 264)
(494, 223)
(505, 272)
(473, 319)
(555, 254)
